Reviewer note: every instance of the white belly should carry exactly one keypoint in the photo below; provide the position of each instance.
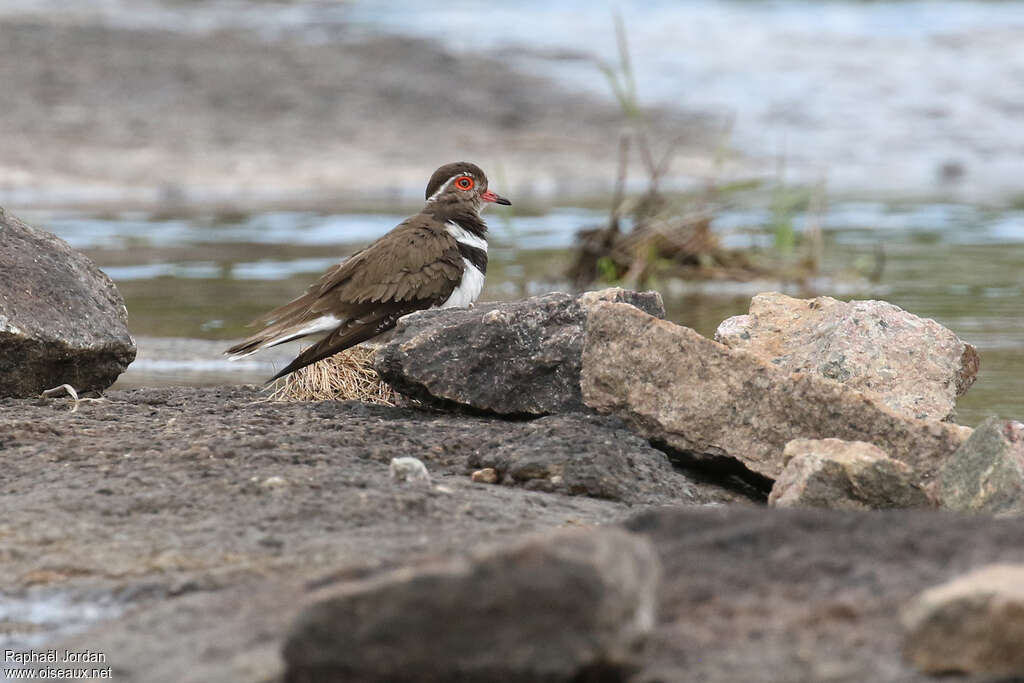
(468, 289)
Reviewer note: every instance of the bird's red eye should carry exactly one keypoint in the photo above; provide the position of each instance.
(464, 183)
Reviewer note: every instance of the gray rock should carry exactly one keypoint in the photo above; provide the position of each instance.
(972, 624)
(913, 365)
(520, 358)
(844, 475)
(62, 320)
(564, 606)
(986, 474)
(588, 455)
(701, 398)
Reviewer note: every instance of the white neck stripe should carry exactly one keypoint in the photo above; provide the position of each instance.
(463, 236)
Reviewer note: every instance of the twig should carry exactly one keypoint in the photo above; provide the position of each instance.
(816, 215)
(620, 184)
(70, 391)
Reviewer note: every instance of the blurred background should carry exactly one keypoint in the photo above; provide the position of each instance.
(215, 156)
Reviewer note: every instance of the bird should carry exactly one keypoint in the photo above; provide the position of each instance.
(434, 259)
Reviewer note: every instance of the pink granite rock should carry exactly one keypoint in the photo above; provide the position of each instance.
(844, 475)
(913, 365)
(703, 399)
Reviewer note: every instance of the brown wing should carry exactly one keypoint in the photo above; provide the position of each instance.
(417, 265)
(418, 260)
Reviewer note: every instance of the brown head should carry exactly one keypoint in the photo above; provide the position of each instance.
(460, 187)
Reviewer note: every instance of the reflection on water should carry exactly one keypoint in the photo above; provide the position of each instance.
(36, 618)
(204, 279)
(294, 228)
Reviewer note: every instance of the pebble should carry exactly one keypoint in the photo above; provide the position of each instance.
(488, 475)
(409, 469)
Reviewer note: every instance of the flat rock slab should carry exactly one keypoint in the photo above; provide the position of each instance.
(986, 474)
(563, 606)
(559, 454)
(972, 624)
(913, 365)
(519, 358)
(844, 475)
(676, 387)
(62, 321)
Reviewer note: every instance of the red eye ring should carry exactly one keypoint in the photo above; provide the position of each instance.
(464, 182)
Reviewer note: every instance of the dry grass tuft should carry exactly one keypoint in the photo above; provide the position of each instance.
(348, 375)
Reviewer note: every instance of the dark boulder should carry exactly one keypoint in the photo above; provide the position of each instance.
(518, 358)
(62, 321)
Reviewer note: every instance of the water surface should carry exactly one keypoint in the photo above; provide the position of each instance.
(892, 98)
(880, 98)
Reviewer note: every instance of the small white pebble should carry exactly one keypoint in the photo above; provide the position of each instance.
(409, 469)
(274, 483)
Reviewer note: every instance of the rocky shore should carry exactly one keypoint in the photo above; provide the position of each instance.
(214, 536)
(594, 510)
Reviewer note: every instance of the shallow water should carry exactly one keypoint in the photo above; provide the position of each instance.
(42, 614)
(187, 280)
(904, 98)
(885, 98)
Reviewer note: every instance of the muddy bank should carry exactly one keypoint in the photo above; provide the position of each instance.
(154, 493)
(174, 482)
(109, 115)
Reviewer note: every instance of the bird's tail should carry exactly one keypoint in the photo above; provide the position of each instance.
(284, 331)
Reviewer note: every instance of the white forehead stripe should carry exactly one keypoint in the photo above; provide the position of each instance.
(463, 236)
(445, 184)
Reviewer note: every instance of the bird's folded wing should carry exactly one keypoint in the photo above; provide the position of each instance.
(416, 267)
(416, 262)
